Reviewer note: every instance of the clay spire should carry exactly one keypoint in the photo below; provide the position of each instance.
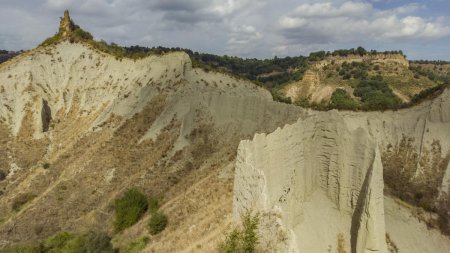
(66, 25)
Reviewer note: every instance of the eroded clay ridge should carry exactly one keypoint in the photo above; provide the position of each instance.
(79, 127)
(318, 184)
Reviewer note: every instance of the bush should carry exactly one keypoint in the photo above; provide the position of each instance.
(21, 200)
(52, 40)
(129, 209)
(91, 242)
(136, 246)
(24, 248)
(58, 241)
(341, 100)
(95, 243)
(429, 93)
(157, 223)
(249, 236)
(2, 175)
(242, 240)
(80, 33)
(153, 204)
(277, 96)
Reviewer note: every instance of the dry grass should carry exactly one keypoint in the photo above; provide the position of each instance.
(340, 244)
(392, 247)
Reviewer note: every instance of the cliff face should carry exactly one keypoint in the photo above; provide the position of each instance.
(320, 180)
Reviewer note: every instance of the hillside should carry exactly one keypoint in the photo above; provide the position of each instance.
(87, 131)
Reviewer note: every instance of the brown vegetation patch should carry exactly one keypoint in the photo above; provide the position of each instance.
(4, 139)
(416, 177)
(21, 200)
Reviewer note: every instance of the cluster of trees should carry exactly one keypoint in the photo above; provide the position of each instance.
(434, 62)
(266, 72)
(357, 70)
(321, 55)
(430, 74)
(376, 94)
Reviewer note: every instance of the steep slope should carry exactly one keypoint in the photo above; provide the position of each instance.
(79, 127)
(319, 181)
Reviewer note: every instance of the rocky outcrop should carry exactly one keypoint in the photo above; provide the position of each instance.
(66, 26)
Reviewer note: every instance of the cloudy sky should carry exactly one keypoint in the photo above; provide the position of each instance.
(247, 28)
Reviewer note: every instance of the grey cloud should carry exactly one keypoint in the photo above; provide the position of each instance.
(179, 5)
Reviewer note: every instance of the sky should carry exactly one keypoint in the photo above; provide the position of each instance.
(245, 28)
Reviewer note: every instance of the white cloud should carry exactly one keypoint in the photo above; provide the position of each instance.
(357, 21)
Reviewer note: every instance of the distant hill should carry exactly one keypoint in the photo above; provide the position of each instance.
(6, 55)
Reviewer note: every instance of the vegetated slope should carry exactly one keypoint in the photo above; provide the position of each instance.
(348, 73)
(79, 127)
(319, 182)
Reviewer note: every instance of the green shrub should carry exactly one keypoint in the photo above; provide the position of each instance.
(136, 246)
(242, 240)
(277, 96)
(249, 236)
(157, 223)
(153, 204)
(231, 243)
(52, 40)
(129, 209)
(24, 248)
(91, 242)
(57, 242)
(80, 33)
(303, 102)
(341, 100)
